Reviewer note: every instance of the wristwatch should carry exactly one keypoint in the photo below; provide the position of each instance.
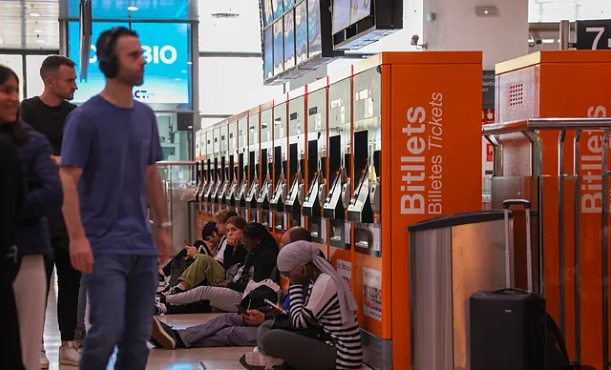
(164, 225)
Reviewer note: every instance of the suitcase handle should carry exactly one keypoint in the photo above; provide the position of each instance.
(516, 202)
(506, 205)
(510, 290)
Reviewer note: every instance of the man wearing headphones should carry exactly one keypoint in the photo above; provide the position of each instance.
(109, 173)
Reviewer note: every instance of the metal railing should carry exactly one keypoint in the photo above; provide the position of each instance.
(530, 129)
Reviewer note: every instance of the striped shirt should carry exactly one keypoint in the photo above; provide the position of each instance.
(321, 302)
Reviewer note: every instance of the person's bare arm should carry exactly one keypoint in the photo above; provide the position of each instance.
(70, 177)
(81, 255)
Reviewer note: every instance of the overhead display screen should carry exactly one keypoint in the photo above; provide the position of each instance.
(301, 32)
(341, 15)
(268, 14)
(166, 51)
(278, 48)
(314, 37)
(360, 10)
(268, 62)
(278, 8)
(289, 40)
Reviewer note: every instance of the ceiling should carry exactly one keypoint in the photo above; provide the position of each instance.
(29, 24)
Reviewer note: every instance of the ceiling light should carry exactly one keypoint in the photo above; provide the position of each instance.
(40, 41)
(225, 15)
(34, 14)
(37, 31)
(132, 8)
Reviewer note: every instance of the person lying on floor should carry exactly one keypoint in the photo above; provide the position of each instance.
(232, 329)
(208, 270)
(209, 245)
(260, 264)
(322, 332)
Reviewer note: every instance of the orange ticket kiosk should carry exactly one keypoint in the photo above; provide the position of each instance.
(564, 168)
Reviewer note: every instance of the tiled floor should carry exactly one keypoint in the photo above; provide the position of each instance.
(192, 359)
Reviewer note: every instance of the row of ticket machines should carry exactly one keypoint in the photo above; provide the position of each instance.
(355, 158)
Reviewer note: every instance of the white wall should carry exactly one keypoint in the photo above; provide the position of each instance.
(457, 27)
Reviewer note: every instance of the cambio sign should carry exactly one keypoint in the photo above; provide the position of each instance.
(165, 49)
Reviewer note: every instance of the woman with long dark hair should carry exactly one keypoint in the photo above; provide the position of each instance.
(260, 264)
(44, 193)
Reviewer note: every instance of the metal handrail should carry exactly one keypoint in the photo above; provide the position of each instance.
(177, 163)
(533, 124)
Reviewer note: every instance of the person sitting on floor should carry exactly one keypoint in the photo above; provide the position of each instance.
(209, 245)
(260, 264)
(206, 270)
(227, 330)
(322, 305)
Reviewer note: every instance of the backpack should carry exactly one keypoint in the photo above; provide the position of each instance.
(557, 355)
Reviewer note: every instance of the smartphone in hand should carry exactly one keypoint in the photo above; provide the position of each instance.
(280, 309)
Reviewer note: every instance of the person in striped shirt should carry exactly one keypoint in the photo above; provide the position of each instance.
(320, 301)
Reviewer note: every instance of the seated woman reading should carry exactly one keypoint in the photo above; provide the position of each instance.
(321, 302)
(260, 264)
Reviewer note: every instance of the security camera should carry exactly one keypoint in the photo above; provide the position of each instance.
(415, 39)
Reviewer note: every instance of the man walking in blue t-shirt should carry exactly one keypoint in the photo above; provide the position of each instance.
(109, 173)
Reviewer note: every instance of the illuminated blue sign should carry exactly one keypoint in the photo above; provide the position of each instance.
(166, 51)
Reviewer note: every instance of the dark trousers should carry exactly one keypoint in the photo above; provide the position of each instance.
(10, 351)
(68, 285)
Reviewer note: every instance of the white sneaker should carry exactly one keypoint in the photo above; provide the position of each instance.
(44, 361)
(69, 355)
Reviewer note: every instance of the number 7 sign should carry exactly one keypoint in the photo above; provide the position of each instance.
(593, 35)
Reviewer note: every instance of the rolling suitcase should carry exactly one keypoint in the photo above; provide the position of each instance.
(508, 326)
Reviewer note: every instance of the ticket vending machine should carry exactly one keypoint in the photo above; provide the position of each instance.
(280, 169)
(199, 178)
(254, 150)
(239, 197)
(316, 163)
(232, 142)
(218, 169)
(340, 167)
(296, 158)
(265, 164)
(226, 167)
(210, 174)
(566, 187)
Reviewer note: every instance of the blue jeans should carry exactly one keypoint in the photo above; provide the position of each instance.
(121, 294)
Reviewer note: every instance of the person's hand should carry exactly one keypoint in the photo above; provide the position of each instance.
(221, 283)
(299, 275)
(164, 244)
(254, 317)
(234, 240)
(191, 252)
(56, 159)
(276, 311)
(81, 255)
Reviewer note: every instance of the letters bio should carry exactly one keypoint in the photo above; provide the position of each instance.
(166, 54)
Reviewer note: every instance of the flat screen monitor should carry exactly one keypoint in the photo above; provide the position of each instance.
(314, 36)
(341, 14)
(268, 14)
(360, 9)
(278, 48)
(268, 49)
(289, 40)
(301, 32)
(288, 4)
(277, 8)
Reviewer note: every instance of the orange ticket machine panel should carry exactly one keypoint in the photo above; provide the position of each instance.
(266, 162)
(416, 154)
(254, 150)
(279, 169)
(572, 84)
(316, 163)
(243, 158)
(296, 159)
(339, 151)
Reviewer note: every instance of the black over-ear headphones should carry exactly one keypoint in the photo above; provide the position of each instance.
(109, 64)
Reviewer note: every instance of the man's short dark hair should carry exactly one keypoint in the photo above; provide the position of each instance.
(107, 42)
(208, 229)
(299, 233)
(52, 63)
